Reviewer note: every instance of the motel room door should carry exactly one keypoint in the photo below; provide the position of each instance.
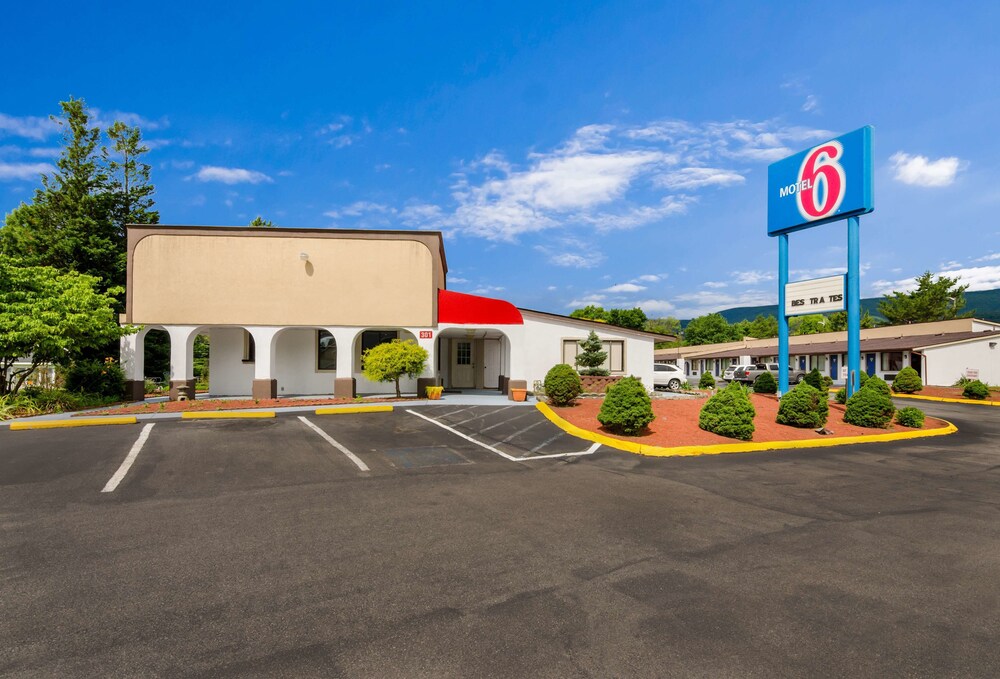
(463, 370)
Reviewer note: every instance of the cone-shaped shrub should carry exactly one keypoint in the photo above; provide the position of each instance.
(804, 406)
(626, 408)
(562, 385)
(910, 417)
(706, 381)
(765, 384)
(870, 406)
(814, 379)
(976, 390)
(907, 381)
(841, 396)
(729, 413)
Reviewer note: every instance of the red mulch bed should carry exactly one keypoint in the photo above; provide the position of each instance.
(676, 423)
(951, 392)
(231, 404)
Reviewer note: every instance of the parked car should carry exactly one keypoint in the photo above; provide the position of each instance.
(748, 373)
(667, 376)
(729, 374)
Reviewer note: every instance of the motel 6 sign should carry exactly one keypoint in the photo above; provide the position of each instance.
(828, 182)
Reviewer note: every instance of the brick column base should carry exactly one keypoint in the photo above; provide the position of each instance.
(135, 390)
(264, 389)
(345, 387)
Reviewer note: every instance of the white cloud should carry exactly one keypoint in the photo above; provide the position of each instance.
(715, 285)
(655, 306)
(950, 266)
(625, 287)
(649, 278)
(976, 277)
(231, 175)
(21, 171)
(811, 104)
(752, 277)
(576, 260)
(104, 119)
(698, 177)
(29, 127)
(921, 171)
(988, 258)
(457, 280)
(488, 289)
(690, 305)
(587, 300)
(420, 214)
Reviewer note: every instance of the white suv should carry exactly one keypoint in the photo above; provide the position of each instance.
(667, 376)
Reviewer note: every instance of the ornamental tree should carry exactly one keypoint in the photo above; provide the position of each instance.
(390, 361)
(50, 317)
(592, 357)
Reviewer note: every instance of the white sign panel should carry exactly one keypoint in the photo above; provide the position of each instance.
(972, 373)
(816, 296)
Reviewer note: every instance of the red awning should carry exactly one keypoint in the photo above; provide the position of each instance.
(458, 307)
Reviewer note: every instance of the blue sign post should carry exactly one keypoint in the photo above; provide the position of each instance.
(826, 183)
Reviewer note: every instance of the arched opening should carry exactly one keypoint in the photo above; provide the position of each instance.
(305, 361)
(372, 337)
(472, 359)
(156, 362)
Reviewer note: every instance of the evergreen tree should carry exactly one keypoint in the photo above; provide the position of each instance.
(260, 222)
(592, 357)
(939, 300)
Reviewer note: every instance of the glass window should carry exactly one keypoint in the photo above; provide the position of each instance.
(615, 349)
(326, 351)
(249, 348)
(373, 338)
(892, 361)
(463, 353)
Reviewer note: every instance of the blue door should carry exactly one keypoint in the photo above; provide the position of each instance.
(833, 366)
(802, 362)
(870, 364)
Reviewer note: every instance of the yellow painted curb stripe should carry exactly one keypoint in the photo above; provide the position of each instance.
(226, 415)
(72, 422)
(718, 449)
(943, 399)
(354, 409)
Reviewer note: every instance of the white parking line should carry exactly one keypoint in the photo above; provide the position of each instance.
(479, 417)
(500, 452)
(129, 459)
(329, 439)
(546, 442)
(518, 433)
(508, 421)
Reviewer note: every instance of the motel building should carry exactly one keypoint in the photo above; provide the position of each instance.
(941, 352)
(288, 312)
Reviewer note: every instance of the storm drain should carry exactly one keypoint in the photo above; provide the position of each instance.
(428, 456)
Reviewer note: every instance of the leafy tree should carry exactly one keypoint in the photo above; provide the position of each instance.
(593, 356)
(50, 317)
(591, 312)
(708, 329)
(763, 327)
(809, 324)
(627, 318)
(664, 326)
(933, 300)
(390, 361)
(260, 222)
(837, 321)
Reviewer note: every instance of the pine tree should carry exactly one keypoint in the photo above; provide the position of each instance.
(592, 357)
(939, 300)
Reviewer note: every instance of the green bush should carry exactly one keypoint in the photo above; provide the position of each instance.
(870, 406)
(862, 378)
(907, 381)
(827, 383)
(29, 402)
(976, 390)
(627, 408)
(841, 396)
(706, 381)
(961, 381)
(765, 384)
(562, 385)
(910, 417)
(804, 406)
(878, 384)
(814, 379)
(729, 413)
(91, 376)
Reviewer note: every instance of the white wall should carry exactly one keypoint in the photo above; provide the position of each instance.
(228, 375)
(946, 364)
(540, 348)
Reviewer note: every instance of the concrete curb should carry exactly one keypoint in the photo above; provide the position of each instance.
(76, 422)
(718, 449)
(354, 409)
(227, 415)
(943, 399)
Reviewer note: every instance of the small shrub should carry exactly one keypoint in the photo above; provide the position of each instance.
(804, 406)
(627, 408)
(91, 376)
(961, 381)
(876, 383)
(907, 381)
(870, 407)
(729, 413)
(976, 390)
(862, 378)
(562, 385)
(827, 382)
(765, 384)
(910, 417)
(814, 379)
(706, 381)
(841, 396)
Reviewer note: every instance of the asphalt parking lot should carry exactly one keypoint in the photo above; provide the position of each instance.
(482, 541)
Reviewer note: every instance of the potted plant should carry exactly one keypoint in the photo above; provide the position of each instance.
(519, 394)
(434, 393)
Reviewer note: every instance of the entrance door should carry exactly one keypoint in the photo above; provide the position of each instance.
(833, 366)
(802, 362)
(463, 371)
(870, 364)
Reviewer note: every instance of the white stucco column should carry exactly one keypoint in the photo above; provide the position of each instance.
(133, 365)
(265, 382)
(344, 384)
(181, 360)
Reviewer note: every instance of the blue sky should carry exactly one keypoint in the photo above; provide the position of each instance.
(573, 153)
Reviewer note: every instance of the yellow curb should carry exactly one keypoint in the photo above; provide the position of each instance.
(354, 409)
(73, 422)
(226, 415)
(718, 449)
(943, 399)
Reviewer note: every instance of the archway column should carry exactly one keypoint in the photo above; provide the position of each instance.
(265, 384)
(430, 377)
(182, 360)
(344, 384)
(133, 365)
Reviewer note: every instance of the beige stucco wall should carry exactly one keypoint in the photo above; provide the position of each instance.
(224, 279)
